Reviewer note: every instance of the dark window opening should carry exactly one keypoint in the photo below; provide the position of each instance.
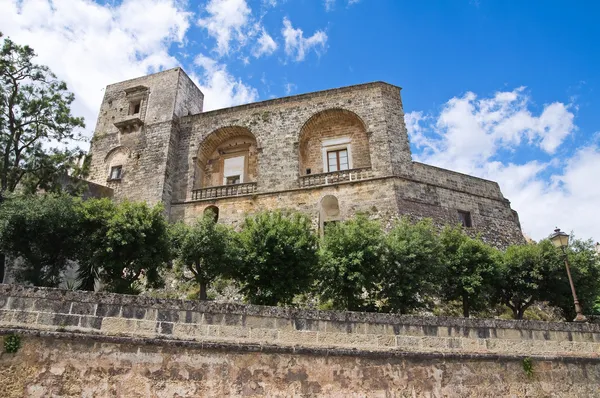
(115, 173)
(232, 180)
(308, 171)
(337, 160)
(134, 107)
(465, 218)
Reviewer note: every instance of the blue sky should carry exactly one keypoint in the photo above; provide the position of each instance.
(504, 90)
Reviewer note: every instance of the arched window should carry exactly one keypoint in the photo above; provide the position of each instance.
(116, 161)
(333, 140)
(227, 156)
(213, 211)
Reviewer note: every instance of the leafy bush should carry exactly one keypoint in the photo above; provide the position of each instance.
(12, 343)
(351, 261)
(279, 253)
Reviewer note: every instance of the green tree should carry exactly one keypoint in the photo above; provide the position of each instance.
(351, 260)
(279, 257)
(413, 259)
(469, 270)
(207, 250)
(94, 215)
(34, 112)
(585, 271)
(124, 243)
(521, 273)
(42, 230)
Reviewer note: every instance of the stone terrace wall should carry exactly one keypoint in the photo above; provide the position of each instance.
(123, 315)
(78, 344)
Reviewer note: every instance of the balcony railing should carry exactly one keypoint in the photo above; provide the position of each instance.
(223, 191)
(334, 177)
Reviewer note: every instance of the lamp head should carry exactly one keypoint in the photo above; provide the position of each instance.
(559, 238)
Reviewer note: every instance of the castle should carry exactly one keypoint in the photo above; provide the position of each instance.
(329, 154)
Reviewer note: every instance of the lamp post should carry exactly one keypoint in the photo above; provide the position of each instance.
(561, 239)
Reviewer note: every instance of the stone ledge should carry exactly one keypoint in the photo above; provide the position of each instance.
(295, 349)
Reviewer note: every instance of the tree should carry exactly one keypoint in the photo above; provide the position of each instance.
(351, 260)
(125, 243)
(522, 270)
(585, 271)
(91, 245)
(413, 259)
(279, 257)
(206, 251)
(469, 270)
(42, 230)
(34, 113)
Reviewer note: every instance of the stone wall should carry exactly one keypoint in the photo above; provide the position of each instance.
(93, 344)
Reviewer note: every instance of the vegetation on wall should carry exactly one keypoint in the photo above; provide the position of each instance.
(276, 258)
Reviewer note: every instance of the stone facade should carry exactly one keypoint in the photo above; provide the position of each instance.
(98, 344)
(153, 142)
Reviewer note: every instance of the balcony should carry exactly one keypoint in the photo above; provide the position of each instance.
(129, 124)
(224, 191)
(313, 180)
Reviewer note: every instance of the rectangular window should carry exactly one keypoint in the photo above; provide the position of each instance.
(337, 160)
(465, 218)
(134, 107)
(115, 172)
(232, 180)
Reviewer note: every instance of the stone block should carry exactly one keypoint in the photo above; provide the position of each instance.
(108, 310)
(91, 322)
(347, 339)
(54, 306)
(295, 337)
(83, 308)
(132, 312)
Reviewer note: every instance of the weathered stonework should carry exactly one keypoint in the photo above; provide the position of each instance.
(95, 344)
(279, 156)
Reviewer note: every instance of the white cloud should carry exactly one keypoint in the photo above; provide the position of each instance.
(470, 135)
(296, 45)
(289, 88)
(350, 2)
(329, 4)
(90, 45)
(265, 45)
(221, 89)
(227, 21)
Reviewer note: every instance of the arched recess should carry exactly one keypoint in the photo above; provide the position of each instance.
(333, 140)
(329, 211)
(227, 156)
(212, 211)
(116, 158)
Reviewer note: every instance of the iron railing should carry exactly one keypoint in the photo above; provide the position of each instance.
(334, 177)
(223, 191)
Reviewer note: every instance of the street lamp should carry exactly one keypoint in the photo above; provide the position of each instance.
(561, 239)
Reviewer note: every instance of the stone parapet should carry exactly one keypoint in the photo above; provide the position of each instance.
(112, 315)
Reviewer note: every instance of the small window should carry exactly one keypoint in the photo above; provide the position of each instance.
(337, 160)
(115, 173)
(232, 180)
(134, 107)
(308, 171)
(465, 218)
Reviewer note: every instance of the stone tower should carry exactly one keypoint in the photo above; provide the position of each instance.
(136, 137)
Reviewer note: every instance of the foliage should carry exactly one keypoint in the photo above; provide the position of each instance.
(351, 261)
(410, 277)
(34, 113)
(469, 270)
(12, 343)
(43, 231)
(93, 223)
(126, 243)
(521, 271)
(528, 367)
(278, 259)
(585, 270)
(207, 250)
